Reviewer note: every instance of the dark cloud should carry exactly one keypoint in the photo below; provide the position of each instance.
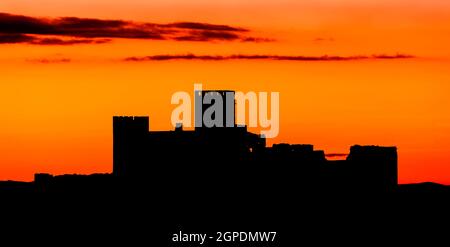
(38, 40)
(205, 26)
(15, 38)
(77, 27)
(57, 41)
(175, 57)
(256, 39)
(50, 60)
(208, 36)
(396, 56)
(264, 57)
(23, 29)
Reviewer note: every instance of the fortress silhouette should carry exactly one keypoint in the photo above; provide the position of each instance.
(224, 159)
(223, 179)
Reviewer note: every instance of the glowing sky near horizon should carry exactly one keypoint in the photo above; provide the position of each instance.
(58, 100)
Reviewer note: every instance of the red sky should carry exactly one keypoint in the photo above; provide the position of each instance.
(60, 91)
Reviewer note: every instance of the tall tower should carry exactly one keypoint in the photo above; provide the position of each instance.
(205, 99)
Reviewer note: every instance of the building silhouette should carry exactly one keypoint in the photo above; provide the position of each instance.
(232, 156)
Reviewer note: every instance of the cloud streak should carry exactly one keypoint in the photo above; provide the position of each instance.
(6, 38)
(34, 30)
(35, 40)
(263, 57)
(57, 41)
(50, 60)
(336, 155)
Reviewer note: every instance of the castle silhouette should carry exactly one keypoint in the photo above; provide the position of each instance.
(227, 158)
(212, 179)
(226, 152)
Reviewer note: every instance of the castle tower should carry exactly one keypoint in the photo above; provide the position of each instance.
(375, 167)
(227, 110)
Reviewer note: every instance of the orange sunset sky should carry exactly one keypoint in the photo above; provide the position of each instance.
(62, 79)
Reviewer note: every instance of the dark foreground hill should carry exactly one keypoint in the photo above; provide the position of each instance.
(100, 210)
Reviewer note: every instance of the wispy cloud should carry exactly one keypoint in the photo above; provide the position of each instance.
(205, 26)
(264, 57)
(57, 41)
(36, 40)
(34, 30)
(321, 40)
(49, 60)
(257, 39)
